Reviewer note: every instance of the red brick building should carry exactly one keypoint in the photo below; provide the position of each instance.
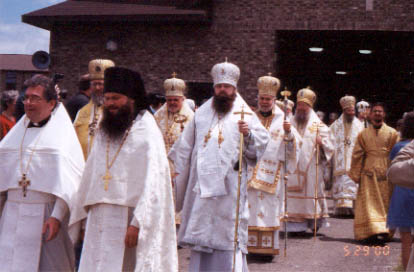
(15, 69)
(261, 36)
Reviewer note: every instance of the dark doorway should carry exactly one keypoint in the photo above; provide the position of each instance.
(199, 91)
(384, 73)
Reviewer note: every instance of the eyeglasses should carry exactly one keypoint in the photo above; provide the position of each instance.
(32, 99)
(96, 84)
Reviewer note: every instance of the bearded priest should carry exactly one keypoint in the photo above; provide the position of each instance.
(306, 184)
(41, 168)
(126, 191)
(266, 182)
(345, 131)
(206, 159)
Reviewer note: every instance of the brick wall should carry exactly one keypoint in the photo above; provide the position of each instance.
(244, 31)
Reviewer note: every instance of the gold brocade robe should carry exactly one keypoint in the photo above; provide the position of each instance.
(370, 161)
(85, 124)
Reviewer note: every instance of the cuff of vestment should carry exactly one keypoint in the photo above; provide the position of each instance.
(60, 209)
(134, 222)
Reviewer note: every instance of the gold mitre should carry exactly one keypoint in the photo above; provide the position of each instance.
(347, 102)
(97, 68)
(174, 86)
(268, 85)
(307, 96)
(281, 104)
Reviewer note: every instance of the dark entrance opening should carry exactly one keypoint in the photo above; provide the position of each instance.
(336, 66)
(199, 91)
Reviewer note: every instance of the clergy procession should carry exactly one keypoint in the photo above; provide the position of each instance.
(124, 186)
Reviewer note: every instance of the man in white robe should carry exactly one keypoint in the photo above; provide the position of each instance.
(173, 116)
(266, 182)
(126, 191)
(345, 131)
(301, 184)
(41, 164)
(206, 161)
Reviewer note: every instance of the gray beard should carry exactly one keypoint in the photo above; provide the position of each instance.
(301, 119)
(97, 99)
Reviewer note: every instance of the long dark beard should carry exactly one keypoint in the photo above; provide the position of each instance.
(115, 125)
(301, 118)
(223, 103)
(349, 118)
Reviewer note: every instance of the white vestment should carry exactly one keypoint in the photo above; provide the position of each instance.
(171, 126)
(54, 161)
(206, 185)
(301, 184)
(139, 194)
(344, 189)
(266, 185)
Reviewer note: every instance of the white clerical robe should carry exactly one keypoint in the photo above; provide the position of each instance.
(206, 185)
(54, 161)
(139, 194)
(266, 185)
(344, 189)
(301, 184)
(171, 126)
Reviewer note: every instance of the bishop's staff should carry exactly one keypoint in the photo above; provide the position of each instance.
(317, 178)
(285, 94)
(236, 225)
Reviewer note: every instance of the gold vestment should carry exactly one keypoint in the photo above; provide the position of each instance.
(370, 161)
(84, 125)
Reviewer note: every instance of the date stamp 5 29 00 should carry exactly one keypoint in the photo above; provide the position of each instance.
(366, 251)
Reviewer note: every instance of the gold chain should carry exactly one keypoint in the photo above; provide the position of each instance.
(31, 155)
(92, 128)
(168, 130)
(24, 172)
(109, 165)
(107, 176)
(220, 128)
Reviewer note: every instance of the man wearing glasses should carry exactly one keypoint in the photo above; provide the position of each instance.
(41, 167)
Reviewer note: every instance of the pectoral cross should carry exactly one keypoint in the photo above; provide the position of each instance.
(207, 137)
(220, 138)
(106, 179)
(24, 182)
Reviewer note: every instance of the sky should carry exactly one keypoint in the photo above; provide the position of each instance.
(17, 37)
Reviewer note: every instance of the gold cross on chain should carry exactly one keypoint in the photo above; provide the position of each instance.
(106, 179)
